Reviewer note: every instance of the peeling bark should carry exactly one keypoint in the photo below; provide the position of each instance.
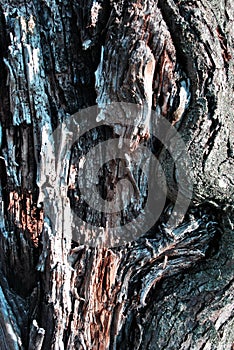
(172, 288)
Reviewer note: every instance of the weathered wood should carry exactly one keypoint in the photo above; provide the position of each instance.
(172, 288)
(36, 336)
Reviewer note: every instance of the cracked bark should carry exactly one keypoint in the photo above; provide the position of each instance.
(170, 289)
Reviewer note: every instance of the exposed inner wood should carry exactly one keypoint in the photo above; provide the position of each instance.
(172, 288)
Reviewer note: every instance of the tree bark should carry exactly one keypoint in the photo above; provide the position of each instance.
(171, 287)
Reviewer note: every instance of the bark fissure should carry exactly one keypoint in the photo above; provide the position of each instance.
(172, 287)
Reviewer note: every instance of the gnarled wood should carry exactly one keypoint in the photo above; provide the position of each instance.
(172, 288)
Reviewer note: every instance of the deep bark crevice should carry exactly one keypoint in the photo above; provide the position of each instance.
(172, 287)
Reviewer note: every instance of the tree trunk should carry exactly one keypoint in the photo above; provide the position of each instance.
(169, 284)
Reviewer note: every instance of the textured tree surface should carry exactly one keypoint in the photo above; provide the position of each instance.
(172, 288)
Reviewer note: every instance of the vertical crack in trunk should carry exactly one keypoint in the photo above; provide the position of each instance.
(172, 287)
